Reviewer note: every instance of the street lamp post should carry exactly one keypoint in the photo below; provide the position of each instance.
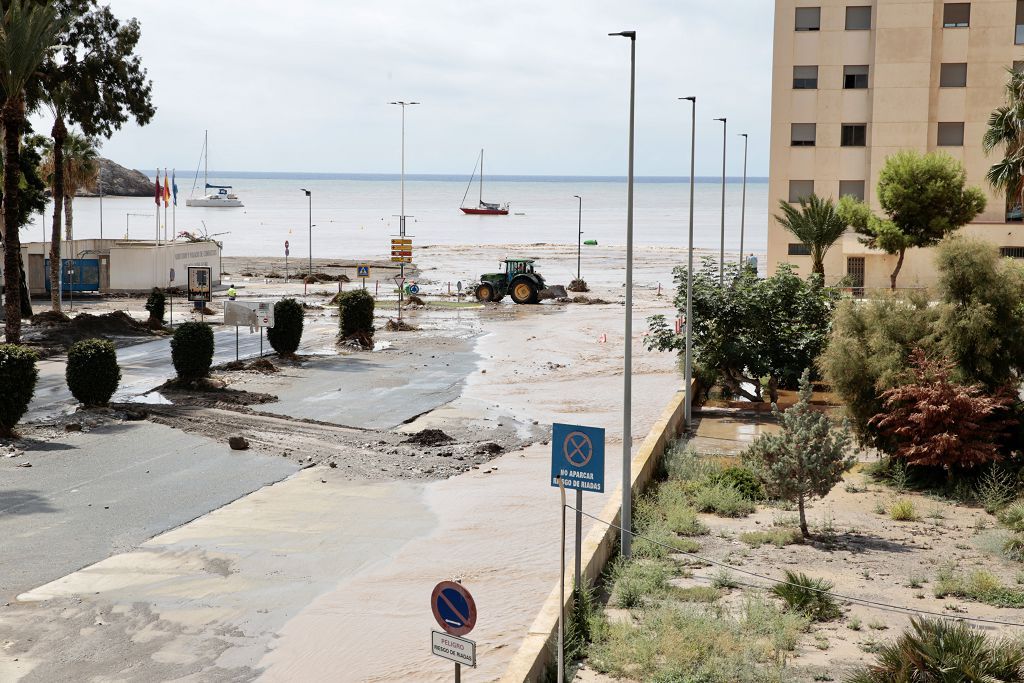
(627, 379)
(743, 202)
(688, 356)
(721, 252)
(579, 239)
(309, 195)
(401, 218)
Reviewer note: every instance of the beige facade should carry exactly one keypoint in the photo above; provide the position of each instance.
(855, 81)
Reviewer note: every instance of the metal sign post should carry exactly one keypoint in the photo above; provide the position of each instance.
(286, 260)
(561, 590)
(170, 294)
(363, 271)
(455, 611)
(577, 462)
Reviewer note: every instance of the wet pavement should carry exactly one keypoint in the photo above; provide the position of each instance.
(89, 495)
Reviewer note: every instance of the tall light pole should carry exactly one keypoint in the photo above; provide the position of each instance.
(688, 356)
(627, 376)
(309, 195)
(721, 252)
(743, 203)
(579, 238)
(401, 217)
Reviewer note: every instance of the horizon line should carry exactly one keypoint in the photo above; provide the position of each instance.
(512, 177)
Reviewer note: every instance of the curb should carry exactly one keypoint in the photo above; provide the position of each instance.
(535, 654)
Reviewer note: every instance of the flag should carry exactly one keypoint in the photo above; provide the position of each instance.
(167, 190)
(174, 187)
(159, 192)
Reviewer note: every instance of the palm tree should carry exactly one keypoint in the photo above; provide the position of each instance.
(817, 224)
(1006, 131)
(28, 32)
(79, 168)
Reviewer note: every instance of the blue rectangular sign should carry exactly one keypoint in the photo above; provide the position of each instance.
(577, 457)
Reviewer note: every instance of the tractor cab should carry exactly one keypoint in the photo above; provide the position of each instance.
(519, 279)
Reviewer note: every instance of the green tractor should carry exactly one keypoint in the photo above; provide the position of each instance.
(518, 280)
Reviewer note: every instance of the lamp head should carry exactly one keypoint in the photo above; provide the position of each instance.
(744, 135)
(723, 120)
(625, 34)
(689, 99)
(577, 196)
(308, 193)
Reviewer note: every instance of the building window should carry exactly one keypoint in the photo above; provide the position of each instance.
(799, 249)
(854, 135)
(852, 188)
(803, 134)
(951, 135)
(808, 18)
(800, 189)
(956, 15)
(858, 18)
(1018, 37)
(1018, 67)
(805, 78)
(1006, 252)
(953, 76)
(855, 77)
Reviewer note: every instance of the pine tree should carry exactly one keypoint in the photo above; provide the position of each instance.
(806, 459)
(935, 421)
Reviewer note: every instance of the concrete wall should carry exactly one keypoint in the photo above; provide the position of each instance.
(902, 107)
(133, 265)
(600, 545)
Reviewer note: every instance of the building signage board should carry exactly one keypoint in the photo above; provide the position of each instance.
(458, 650)
(577, 457)
(249, 313)
(200, 283)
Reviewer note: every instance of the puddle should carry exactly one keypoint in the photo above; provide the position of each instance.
(151, 398)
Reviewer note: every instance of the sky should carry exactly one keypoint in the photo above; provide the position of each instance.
(303, 85)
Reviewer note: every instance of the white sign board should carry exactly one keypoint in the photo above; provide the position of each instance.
(459, 650)
(249, 313)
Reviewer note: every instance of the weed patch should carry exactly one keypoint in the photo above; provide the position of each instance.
(980, 586)
(903, 510)
(777, 537)
(724, 501)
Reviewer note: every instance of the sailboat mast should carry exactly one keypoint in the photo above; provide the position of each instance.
(481, 177)
(206, 159)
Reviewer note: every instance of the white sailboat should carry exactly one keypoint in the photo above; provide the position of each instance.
(222, 197)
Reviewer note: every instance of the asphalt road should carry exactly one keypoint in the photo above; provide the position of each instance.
(143, 367)
(90, 495)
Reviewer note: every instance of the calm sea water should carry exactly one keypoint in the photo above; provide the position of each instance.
(355, 216)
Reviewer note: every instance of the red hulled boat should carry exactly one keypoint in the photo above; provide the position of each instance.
(482, 208)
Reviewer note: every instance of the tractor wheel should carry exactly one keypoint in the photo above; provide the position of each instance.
(485, 292)
(524, 292)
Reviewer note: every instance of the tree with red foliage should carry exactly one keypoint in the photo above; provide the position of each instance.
(936, 421)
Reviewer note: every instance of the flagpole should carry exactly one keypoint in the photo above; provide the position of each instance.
(165, 206)
(174, 207)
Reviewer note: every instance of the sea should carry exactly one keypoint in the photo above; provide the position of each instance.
(355, 215)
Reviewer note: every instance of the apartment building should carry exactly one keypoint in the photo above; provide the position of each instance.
(855, 81)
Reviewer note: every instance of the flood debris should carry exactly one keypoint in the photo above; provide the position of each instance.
(490, 448)
(54, 329)
(263, 365)
(429, 437)
(400, 326)
(238, 443)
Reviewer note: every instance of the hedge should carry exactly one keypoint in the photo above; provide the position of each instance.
(155, 304)
(18, 376)
(192, 350)
(286, 333)
(355, 315)
(92, 372)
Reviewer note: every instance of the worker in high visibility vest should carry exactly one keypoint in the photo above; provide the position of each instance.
(232, 292)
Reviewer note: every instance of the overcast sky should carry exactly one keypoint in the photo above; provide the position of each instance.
(303, 85)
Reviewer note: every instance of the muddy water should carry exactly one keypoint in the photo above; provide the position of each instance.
(496, 528)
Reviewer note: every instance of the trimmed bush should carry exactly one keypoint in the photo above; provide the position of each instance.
(18, 376)
(286, 333)
(92, 372)
(355, 316)
(155, 305)
(192, 350)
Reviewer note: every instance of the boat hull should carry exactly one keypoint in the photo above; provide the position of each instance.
(484, 212)
(223, 203)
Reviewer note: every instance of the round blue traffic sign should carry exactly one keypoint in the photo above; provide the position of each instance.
(414, 289)
(453, 608)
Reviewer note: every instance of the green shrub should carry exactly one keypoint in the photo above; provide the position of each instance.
(635, 581)
(682, 463)
(980, 585)
(192, 350)
(18, 376)
(155, 304)
(808, 596)
(286, 333)
(724, 501)
(1012, 516)
(942, 650)
(777, 537)
(995, 489)
(903, 511)
(355, 315)
(673, 499)
(92, 372)
(743, 480)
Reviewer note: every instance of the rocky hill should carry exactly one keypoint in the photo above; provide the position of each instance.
(119, 181)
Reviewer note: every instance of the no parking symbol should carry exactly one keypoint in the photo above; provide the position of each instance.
(577, 457)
